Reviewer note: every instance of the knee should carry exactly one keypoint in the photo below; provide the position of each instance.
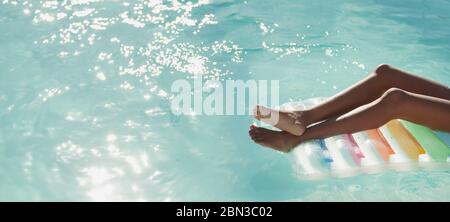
(394, 96)
(382, 70)
(393, 101)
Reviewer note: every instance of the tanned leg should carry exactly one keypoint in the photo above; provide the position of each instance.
(395, 103)
(363, 92)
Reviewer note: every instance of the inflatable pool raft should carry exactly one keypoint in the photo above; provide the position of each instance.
(398, 145)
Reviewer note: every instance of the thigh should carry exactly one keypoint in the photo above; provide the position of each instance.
(416, 84)
(426, 110)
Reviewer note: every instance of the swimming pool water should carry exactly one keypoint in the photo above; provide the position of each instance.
(85, 94)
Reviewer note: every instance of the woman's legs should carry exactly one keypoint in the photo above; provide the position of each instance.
(393, 104)
(363, 92)
(372, 87)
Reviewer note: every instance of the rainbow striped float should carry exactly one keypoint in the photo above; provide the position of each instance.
(398, 145)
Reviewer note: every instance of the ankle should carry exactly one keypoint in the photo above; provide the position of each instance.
(307, 117)
(295, 142)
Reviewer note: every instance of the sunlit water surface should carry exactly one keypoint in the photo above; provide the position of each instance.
(85, 94)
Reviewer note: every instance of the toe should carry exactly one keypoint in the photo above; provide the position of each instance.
(254, 131)
(264, 112)
(257, 112)
(258, 139)
(261, 112)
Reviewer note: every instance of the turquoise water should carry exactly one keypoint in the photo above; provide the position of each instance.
(85, 94)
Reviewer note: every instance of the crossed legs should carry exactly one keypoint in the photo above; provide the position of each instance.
(387, 93)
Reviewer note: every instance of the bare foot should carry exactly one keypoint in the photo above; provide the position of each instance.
(277, 140)
(292, 122)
